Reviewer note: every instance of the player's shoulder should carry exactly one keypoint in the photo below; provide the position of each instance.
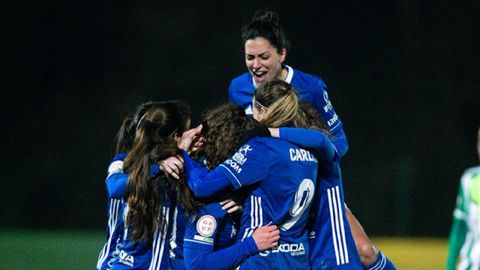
(269, 144)
(241, 80)
(263, 141)
(304, 79)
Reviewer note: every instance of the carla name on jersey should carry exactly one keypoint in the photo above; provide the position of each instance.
(301, 155)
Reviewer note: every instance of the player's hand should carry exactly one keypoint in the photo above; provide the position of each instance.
(189, 138)
(266, 237)
(198, 144)
(230, 206)
(172, 166)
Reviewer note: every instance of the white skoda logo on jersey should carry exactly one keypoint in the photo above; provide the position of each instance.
(126, 259)
(293, 249)
(206, 225)
(328, 104)
(241, 155)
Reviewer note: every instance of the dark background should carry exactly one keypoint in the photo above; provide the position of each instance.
(403, 77)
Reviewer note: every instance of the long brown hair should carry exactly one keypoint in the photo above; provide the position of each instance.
(154, 141)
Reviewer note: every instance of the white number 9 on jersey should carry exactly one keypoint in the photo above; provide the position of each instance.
(303, 198)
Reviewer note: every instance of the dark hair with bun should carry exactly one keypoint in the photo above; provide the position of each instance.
(265, 24)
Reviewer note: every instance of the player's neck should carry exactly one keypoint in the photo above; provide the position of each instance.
(283, 74)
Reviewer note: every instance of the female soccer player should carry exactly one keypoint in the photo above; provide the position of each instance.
(124, 139)
(283, 178)
(331, 242)
(151, 197)
(210, 240)
(266, 48)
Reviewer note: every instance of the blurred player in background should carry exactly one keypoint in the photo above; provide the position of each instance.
(464, 240)
(266, 48)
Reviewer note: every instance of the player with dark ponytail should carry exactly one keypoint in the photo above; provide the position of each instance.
(151, 195)
(266, 48)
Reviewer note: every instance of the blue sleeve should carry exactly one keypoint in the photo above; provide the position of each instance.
(310, 138)
(116, 181)
(206, 258)
(324, 106)
(116, 185)
(202, 182)
(230, 93)
(247, 166)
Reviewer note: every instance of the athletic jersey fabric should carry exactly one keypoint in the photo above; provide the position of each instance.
(311, 88)
(285, 177)
(115, 220)
(331, 241)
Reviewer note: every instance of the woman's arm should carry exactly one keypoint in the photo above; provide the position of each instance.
(201, 256)
(202, 182)
(116, 181)
(246, 167)
(308, 138)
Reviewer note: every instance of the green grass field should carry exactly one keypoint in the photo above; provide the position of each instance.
(49, 249)
(79, 250)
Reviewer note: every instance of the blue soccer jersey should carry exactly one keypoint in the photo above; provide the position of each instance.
(115, 220)
(285, 177)
(311, 88)
(209, 240)
(117, 180)
(143, 254)
(131, 254)
(331, 242)
(176, 239)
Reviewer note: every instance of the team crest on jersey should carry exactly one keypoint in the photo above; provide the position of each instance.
(241, 155)
(206, 225)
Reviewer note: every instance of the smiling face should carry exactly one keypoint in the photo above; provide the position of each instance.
(263, 60)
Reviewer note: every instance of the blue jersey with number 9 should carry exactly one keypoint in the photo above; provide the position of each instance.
(284, 176)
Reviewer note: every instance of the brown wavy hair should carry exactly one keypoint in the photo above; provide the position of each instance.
(226, 126)
(157, 125)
